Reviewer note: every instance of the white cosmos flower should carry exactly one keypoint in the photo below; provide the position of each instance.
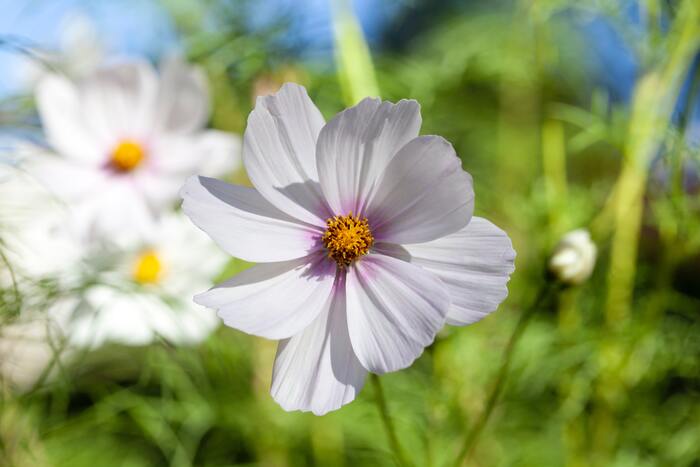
(142, 296)
(366, 238)
(126, 140)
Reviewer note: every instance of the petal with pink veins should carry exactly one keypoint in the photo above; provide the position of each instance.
(355, 147)
(279, 153)
(475, 264)
(395, 308)
(317, 369)
(244, 223)
(274, 300)
(423, 194)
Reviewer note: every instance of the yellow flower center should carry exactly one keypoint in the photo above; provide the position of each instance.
(347, 238)
(127, 156)
(147, 268)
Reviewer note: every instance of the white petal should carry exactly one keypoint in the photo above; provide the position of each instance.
(183, 99)
(222, 153)
(62, 118)
(279, 147)
(424, 194)
(475, 264)
(317, 370)
(67, 179)
(274, 300)
(117, 213)
(244, 224)
(119, 101)
(394, 311)
(210, 153)
(355, 147)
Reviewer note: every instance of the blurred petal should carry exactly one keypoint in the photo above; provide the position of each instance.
(244, 224)
(317, 370)
(279, 153)
(221, 153)
(210, 153)
(183, 99)
(423, 194)
(355, 147)
(119, 101)
(68, 180)
(274, 300)
(117, 213)
(394, 311)
(475, 264)
(62, 118)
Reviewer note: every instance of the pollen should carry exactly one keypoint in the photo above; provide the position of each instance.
(148, 268)
(347, 238)
(127, 155)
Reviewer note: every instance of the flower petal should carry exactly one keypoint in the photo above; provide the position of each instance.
(424, 194)
(117, 213)
(119, 101)
(244, 224)
(211, 153)
(317, 370)
(62, 118)
(274, 300)
(394, 311)
(355, 147)
(279, 153)
(183, 98)
(475, 264)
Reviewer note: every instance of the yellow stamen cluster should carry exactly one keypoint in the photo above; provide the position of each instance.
(127, 156)
(148, 268)
(347, 238)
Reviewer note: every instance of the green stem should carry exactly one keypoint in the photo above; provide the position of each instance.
(387, 422)
(654, 98)
(473, 435)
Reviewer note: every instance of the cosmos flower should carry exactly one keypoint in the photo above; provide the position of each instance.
(139, 295)
(574, 257)
(366, 240)
(126, 140)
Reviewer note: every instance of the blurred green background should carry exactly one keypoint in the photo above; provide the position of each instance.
(568, 114)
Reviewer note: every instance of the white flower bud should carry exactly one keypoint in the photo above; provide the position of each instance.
(574, 257)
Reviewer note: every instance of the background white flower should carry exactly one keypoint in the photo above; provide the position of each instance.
(364, 232)
(145, 294)
(126, 139)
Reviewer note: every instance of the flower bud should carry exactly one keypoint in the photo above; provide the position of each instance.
(574, 257)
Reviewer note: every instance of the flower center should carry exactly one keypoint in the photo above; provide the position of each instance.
(127, 156)
(347, 238)
(147, 268)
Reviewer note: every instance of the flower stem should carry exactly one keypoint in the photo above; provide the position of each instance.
(473, 435)
(386, 421)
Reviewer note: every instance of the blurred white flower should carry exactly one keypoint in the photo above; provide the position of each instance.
(126, 140)
(367, 240)
(574, 257)
(145, 292)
